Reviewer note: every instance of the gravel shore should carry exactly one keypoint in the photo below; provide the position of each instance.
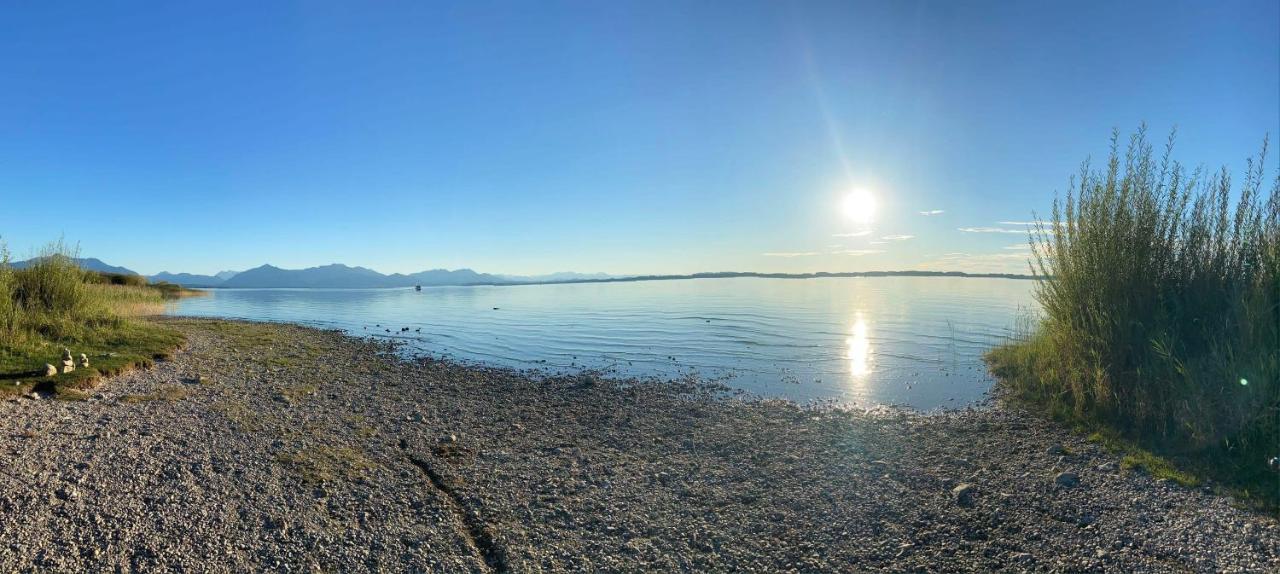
(278, 447)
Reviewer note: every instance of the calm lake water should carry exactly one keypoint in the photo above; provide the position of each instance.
(911, 341)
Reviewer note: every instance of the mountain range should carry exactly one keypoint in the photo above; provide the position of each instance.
(89, 263)
(338, 276)
(334, 276)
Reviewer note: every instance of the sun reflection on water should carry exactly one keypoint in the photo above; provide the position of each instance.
(859, 348)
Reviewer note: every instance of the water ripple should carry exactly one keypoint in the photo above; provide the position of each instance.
(919, 340)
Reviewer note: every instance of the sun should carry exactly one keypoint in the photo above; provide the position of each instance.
(859, 206)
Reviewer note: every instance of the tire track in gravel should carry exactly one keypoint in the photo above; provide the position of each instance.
(473, 527)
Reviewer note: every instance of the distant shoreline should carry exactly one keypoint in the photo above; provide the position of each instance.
(637, 278)
(818, 275)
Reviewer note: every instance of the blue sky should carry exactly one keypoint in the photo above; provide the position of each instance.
(647, 137)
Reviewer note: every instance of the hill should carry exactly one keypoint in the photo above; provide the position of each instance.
(90, 263)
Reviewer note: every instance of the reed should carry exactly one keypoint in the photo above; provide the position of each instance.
(53, 304)
(1160, 291)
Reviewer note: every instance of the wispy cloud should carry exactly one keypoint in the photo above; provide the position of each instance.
(897, 237)
(790, 254)
(980, 262)
(863, 233)
(1017, 223)
(1019, 246)
(991, 230)
(932, 212)
(857, 252)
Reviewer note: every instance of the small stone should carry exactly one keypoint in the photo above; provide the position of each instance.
(1066, 479)
(50, 370)
(963, 494)
(68, 368)
(449, 438)
(1108, 467)
(66, 493)
(1021, 557)
(1057, 449)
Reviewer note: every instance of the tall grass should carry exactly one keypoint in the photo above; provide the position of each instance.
(53, 303)
(49, 299)
(1160, 290)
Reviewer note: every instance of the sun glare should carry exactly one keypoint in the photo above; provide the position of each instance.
(859, 348)
(859, 206)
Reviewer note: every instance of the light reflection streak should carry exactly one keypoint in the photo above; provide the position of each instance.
(859, 353)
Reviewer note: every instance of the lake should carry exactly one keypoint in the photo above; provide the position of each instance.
(859, 341)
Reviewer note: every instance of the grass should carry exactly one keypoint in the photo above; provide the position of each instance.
(54, 304)
(1160, 291)
(1137, 459)
(245, 419)
(320, 464)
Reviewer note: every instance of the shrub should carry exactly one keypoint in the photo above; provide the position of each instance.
(1161, 305)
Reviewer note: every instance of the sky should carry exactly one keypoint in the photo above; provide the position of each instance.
(617, 137)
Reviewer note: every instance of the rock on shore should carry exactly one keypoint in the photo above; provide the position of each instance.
(272, 447)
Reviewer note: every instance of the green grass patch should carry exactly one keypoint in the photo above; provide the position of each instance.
(1136, 458)
(326, 464)
(1160, 293)
(1157, 467)
(263, 337)
(54, 304)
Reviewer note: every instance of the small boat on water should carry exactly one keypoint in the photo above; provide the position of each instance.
(417, 287)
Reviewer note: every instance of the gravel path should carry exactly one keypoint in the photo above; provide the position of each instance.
(276, 447)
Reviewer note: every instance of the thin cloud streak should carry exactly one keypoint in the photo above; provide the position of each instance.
(863, 233)
(897, 237)
(790, 254)
(857, 252)
(990, 230)
(980, 262)
(932, 212)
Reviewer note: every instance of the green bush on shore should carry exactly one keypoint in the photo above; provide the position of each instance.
(1161, 313)
(54, 304)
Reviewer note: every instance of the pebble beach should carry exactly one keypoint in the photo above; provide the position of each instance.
(279, 447)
